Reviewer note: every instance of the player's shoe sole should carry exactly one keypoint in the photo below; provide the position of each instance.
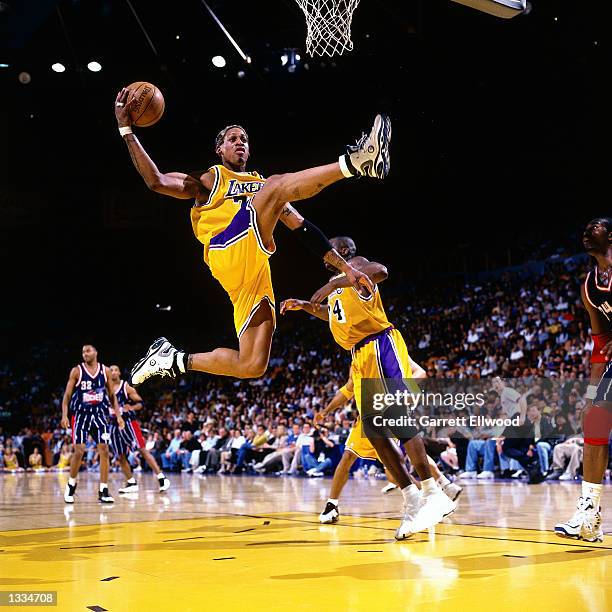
(370, 156)
(158, 361)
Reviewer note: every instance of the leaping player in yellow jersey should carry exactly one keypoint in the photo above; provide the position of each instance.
(359, 324)
(234, 216)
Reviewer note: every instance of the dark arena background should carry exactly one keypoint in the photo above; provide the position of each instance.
(500, 158)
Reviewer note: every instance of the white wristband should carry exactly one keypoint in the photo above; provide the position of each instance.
(125, 130)
(591, 392)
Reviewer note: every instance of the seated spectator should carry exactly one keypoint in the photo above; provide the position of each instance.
(567, 459)
(171, 456)
(316, 455)
(65, 455)
(10, 460)
(36, 460)
(282, 451)
(303, 439)
(223, 443)
(228, 457)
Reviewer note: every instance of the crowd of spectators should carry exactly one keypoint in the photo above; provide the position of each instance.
(517, 325)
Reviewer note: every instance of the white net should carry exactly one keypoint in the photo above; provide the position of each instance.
(329, 25)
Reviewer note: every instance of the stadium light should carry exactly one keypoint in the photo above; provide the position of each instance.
(219, 61)
(57, 67)
(94, 66)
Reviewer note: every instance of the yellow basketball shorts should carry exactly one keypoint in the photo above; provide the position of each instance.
(380, 356)
(238, 259)
(358, 444)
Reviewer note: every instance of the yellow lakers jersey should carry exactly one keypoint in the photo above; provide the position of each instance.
(353, 317)
(231, 191)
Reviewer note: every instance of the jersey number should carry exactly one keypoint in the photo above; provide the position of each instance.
(86, 385)
(337, 310)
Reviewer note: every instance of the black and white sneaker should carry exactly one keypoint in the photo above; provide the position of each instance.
(330, 514)
(160, 360)
(104, 497)
(164, 484)
(69, 491)
(370, 155)
(130, 487)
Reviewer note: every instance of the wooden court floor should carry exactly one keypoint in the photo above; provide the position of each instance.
(254, 543)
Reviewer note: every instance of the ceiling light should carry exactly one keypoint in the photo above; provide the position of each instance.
(219, 61)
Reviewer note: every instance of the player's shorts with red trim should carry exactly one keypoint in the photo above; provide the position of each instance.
(238, 259)
(91, 422)
(124, 440)
(598, 420)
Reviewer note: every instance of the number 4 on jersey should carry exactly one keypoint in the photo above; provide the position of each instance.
(337, 310)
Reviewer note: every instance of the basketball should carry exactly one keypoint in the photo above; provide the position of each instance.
(148, 105)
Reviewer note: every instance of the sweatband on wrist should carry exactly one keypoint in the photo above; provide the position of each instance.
(125, 130)
(313, 238)
(591, 392)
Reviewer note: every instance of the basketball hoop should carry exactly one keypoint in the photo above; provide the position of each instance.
(329, 26)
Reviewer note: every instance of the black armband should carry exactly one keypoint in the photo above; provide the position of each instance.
(313, 238)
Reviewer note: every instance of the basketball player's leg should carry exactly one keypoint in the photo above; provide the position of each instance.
(125, 466)
(370, 157)
(104, 456)
(251, 358)
(330, 513)
(76, 460)
(586, 523)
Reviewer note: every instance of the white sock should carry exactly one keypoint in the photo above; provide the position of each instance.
(161, 475)
(180, 361)
(332, 501)
(344, 167)
(410, 494)
(103, 485)
(132, 480)
(71, 481)
(592, 491)
(428, 486)
(443, 481)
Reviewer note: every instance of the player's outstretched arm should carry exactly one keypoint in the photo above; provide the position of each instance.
(377, 272)
(72, 381)
(315, 240)
(175, 184)
(343, 396)
(316, 310)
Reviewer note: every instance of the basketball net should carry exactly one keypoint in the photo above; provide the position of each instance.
(329, 26)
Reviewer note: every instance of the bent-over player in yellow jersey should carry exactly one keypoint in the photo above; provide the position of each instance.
(234, 215)
(359, 323)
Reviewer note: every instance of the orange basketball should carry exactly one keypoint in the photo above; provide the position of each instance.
(148, 105)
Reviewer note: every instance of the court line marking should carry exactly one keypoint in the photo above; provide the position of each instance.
(438, 533)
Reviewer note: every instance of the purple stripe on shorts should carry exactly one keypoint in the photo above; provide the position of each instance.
(388, 359)
(239, 224)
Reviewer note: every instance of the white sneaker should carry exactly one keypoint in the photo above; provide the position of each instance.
(518, 473)
(69, 491)
(160, 360)
(370, 156)
(406, 528)
(330, 514)
(388, 488)
(566, 476)
(129, 488)
(585, 524)
(469, 475)
(452, 491)
(164, 484)
(486, 475)
(435, 507)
